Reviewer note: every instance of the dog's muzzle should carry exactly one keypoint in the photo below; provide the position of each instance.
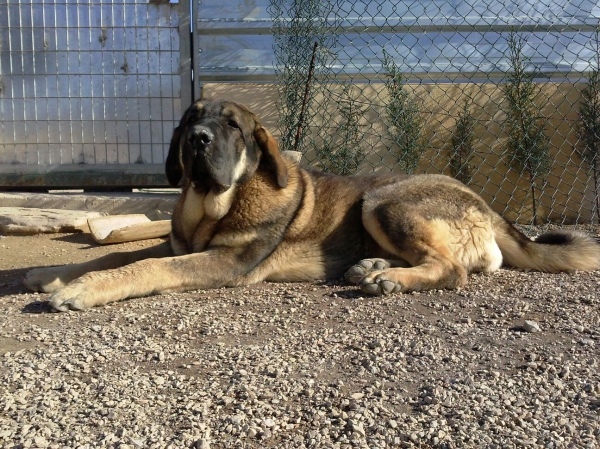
(211, 168)
(200, 137)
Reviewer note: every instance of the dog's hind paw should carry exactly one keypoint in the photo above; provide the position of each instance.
(379, 285)
(358, 272)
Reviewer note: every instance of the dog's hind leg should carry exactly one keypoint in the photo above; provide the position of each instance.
(425, 243)
(433, 271)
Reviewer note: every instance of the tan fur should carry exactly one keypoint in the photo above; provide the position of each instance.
(217, 205)
(234, 239)
(471, 241)
(292, 263)
(582, 253)
(246, 214)
(192, 213)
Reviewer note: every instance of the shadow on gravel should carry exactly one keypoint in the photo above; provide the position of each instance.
(11, 281)
(79, 238)
(37, 307)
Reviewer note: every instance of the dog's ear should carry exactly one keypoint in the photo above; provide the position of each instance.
(173, 167)
(174, 162)
(271, 154)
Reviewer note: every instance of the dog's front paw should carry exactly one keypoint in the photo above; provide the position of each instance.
(358, 272)
(93, 289)
(378, 284)
(71, 297)
(78, 295)
(46, 280)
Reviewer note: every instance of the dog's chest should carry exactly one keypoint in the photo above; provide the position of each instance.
(197, 218)
(191, 214)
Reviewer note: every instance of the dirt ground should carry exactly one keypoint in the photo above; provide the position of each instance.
(299, 365)
(18, 254)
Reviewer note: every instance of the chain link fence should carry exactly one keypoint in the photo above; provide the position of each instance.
(504, 96)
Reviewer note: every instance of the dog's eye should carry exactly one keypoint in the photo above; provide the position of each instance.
(233, 124)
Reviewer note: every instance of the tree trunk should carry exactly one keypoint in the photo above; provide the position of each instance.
(596, 197)
(533, 202)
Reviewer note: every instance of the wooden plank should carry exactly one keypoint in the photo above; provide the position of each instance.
(127, 228)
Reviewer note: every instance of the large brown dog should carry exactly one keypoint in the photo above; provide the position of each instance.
(248, 214)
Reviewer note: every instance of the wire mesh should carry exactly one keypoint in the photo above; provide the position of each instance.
(490, 93)
(88, 82)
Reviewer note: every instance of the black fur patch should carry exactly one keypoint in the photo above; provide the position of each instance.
(554, 238)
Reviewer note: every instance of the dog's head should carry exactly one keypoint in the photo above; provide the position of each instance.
(220, 143)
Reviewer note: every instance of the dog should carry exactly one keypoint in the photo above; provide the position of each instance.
(248, 214)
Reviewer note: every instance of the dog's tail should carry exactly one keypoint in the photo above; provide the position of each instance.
(553, 251)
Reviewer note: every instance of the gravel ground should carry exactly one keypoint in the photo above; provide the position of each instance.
(512, 360)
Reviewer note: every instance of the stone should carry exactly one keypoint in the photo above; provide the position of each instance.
(531, 326)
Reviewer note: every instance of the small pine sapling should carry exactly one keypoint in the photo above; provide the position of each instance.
(404, 122)
(462, 148)
(343, 152)
(528, 145)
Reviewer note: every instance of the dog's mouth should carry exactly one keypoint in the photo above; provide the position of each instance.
(215, 188)
(218, 188)
(206, 178)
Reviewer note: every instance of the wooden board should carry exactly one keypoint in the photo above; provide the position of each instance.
(127, 228)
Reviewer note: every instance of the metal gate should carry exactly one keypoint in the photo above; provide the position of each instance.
(90, 91)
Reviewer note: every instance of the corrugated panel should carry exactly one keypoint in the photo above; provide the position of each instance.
(436, 39)
(88, 82)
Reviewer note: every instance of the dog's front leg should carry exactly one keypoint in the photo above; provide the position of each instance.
(209, 269)
(51, 279)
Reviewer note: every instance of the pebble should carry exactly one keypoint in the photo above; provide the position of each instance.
(531, 326)
(268, 423)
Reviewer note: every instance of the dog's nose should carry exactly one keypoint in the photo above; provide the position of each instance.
(200, 136)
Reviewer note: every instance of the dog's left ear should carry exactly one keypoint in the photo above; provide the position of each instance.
(271, 154)
(173, 167)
